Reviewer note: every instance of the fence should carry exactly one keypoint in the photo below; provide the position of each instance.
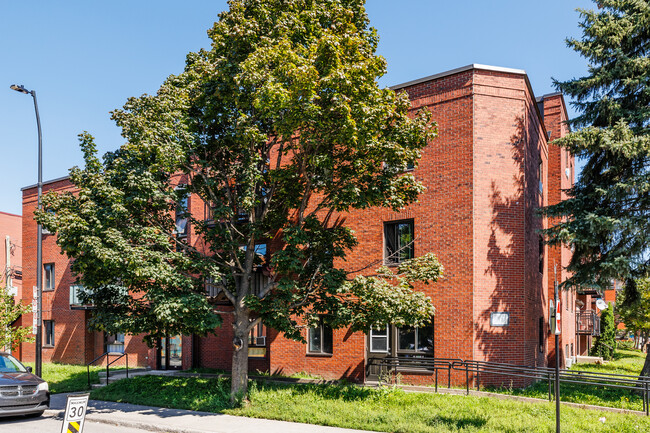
(495, 372)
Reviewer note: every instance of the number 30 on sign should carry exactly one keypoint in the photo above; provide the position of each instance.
(75, 413)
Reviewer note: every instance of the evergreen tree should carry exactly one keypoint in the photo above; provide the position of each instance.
(605, 343)
(606, 217)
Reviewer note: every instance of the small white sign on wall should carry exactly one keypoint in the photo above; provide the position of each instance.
(499, 319)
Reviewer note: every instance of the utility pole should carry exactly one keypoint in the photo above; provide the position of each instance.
(557, 351)
(38, 355)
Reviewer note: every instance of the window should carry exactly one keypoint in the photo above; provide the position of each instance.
(76, 293)
(257, 342)
(541, 255)
(379, 342)
(540, 174)
(181, 217)
(541, 335)
(49, 332)
(48, 269)
(398, 242)
(320, 339)
(209, 212)
(212, 288)
(257, 336)
(115, 343)
(416, 340)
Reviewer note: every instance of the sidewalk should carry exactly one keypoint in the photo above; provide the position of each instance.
(183, 421)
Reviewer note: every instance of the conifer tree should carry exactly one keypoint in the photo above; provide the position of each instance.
(605, 343)
(606, 218)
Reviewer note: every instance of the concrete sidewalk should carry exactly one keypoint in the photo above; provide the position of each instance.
(183, 421)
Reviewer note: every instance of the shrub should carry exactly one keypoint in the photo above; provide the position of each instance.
(605, 343)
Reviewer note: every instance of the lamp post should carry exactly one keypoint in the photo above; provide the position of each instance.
(39, 238)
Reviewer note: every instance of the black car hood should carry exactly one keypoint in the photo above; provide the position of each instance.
(19, 379)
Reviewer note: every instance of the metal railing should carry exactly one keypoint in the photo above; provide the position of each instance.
(587, 322)
(107, 355)
(388, 365)
(391, 366)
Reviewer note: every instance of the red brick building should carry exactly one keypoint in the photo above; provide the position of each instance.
(487, 174)
(11, 256)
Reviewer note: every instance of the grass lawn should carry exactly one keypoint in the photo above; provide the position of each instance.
(629, 362)
(383, 409)
(68, 377)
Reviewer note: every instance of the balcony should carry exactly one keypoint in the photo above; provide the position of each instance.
(587, 323)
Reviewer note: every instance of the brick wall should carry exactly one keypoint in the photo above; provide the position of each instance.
(478, 215)
(73, 342)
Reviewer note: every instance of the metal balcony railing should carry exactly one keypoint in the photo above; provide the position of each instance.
(587, 323)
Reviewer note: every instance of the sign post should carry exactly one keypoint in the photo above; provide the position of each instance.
(558, 331)
(75, 413)
(35, 313)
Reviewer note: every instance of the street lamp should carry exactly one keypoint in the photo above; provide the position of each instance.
(39, 238)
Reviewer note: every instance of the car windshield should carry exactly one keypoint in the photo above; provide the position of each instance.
(9, 364)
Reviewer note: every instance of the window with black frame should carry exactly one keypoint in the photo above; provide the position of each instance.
(398, 241)
(541, 255)
(320, 339)
(49, 281)
(181, 217)
(416, 341)
(48, 332)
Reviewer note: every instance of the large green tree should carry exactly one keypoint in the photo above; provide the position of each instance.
(280, 129)
(606, 217)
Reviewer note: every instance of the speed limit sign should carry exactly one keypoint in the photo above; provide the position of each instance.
(75, 413)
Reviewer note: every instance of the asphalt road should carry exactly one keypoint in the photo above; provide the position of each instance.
(49, 424)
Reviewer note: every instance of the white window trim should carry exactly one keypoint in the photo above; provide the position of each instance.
(387, 337)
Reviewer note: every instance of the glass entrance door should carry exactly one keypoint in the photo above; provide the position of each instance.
(171, 353)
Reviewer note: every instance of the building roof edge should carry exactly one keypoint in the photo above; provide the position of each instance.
(457, 71)
(47, 182)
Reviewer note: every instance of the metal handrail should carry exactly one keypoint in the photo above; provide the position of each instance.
(476, 368)
(108, 364)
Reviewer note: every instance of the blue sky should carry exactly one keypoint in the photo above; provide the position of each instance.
(85, 58)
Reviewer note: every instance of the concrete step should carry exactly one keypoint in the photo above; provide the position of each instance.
(102, 373)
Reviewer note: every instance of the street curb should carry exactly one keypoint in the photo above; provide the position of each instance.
(130, 424)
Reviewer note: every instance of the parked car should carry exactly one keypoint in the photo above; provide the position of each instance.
(21, 392)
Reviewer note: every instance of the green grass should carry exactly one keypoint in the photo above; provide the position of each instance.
(383, 409)
(628, 362)
(300, 375)
(68, 377)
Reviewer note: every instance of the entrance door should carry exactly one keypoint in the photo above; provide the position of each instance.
(170, 353)
(379, 346)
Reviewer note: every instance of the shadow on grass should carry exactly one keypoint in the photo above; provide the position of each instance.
(343, 391)
(456, 423)
(583, 393)
(74, 382)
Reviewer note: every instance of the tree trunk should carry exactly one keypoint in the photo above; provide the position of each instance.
(645, 371)
(239, 385)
